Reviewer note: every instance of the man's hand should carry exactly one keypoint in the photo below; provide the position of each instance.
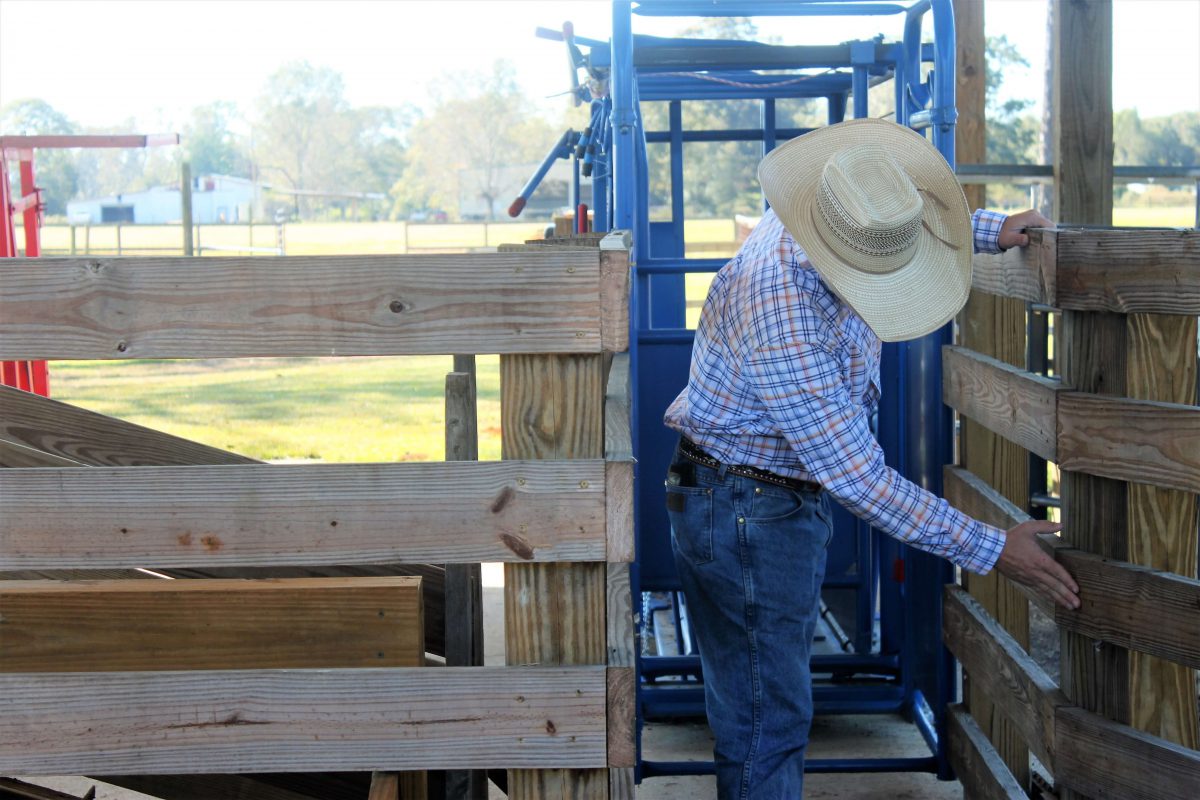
(1012, 232)
(1023, 560)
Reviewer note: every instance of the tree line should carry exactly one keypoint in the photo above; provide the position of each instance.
(304, 136)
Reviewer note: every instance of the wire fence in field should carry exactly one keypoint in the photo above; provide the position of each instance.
(712, 238)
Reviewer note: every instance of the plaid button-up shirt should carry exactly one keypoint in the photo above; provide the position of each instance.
(785, 377)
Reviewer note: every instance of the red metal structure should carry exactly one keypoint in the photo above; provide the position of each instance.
(33, 376)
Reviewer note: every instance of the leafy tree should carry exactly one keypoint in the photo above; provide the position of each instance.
(480, 126)
(380, 153)
(1159, 141)
(55, 170)
(210, 143)
(1012, 135)
(304, 131)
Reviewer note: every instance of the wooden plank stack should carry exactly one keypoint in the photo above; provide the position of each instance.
(237, 682)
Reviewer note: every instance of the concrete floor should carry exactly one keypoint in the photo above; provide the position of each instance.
(869, 736)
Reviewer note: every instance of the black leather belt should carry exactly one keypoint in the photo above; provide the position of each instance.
(691, 452)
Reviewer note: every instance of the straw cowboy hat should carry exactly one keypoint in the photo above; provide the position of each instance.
(882, 219)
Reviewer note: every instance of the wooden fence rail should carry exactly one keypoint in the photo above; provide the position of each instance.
(1142, 441)
(549, 300)
(97, 678)
(1123, 724)
(1130, 271)
(305, 514)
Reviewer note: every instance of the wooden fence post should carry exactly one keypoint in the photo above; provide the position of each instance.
(464, 582)
(551, 407)
(1095, 675)
(185, 206)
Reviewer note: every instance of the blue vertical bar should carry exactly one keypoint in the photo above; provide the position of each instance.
(601, 170)
(900, 84)
(859, 90)
(624, 119)
(944, 90)
(837, 108)
(767, 117)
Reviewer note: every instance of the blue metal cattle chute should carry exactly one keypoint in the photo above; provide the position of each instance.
(886, 597)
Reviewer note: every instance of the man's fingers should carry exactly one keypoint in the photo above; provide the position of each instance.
(1059, 581)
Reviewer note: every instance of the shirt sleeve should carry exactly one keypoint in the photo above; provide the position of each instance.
(986, 225)
(801, 385)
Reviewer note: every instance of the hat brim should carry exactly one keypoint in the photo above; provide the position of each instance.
(923, 294)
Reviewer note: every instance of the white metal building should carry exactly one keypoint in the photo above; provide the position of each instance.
(215, 199)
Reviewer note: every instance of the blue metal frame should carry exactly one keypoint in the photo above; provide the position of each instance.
(908, 671)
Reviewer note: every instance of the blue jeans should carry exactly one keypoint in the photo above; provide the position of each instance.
(751, 557)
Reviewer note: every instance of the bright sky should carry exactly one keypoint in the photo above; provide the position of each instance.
(104, 62)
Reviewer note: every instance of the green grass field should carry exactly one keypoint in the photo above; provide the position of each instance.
(329, 409)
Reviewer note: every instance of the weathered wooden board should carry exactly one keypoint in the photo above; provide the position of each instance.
(621, 784)
(1104, 759)
(1163, 523)
(1139, 608)
(302, 514)
(970, 494)
(618, 438)
(978, 766)
(1023, 273)
(384, 786)
(1016, 404)
(96, 440)
(13, 789)
(1127, 270)
(614, 291)
(622, 716)
(1020, 690)
(14, 454)
(618, 485)
(302, 720)
(1135, 607)
(1142, 441)
(130, 626)
(95, 308)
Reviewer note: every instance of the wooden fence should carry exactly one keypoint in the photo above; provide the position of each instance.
(138, 678)
(1122, 424)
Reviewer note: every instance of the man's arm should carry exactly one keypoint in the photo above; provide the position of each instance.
(802, 387)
